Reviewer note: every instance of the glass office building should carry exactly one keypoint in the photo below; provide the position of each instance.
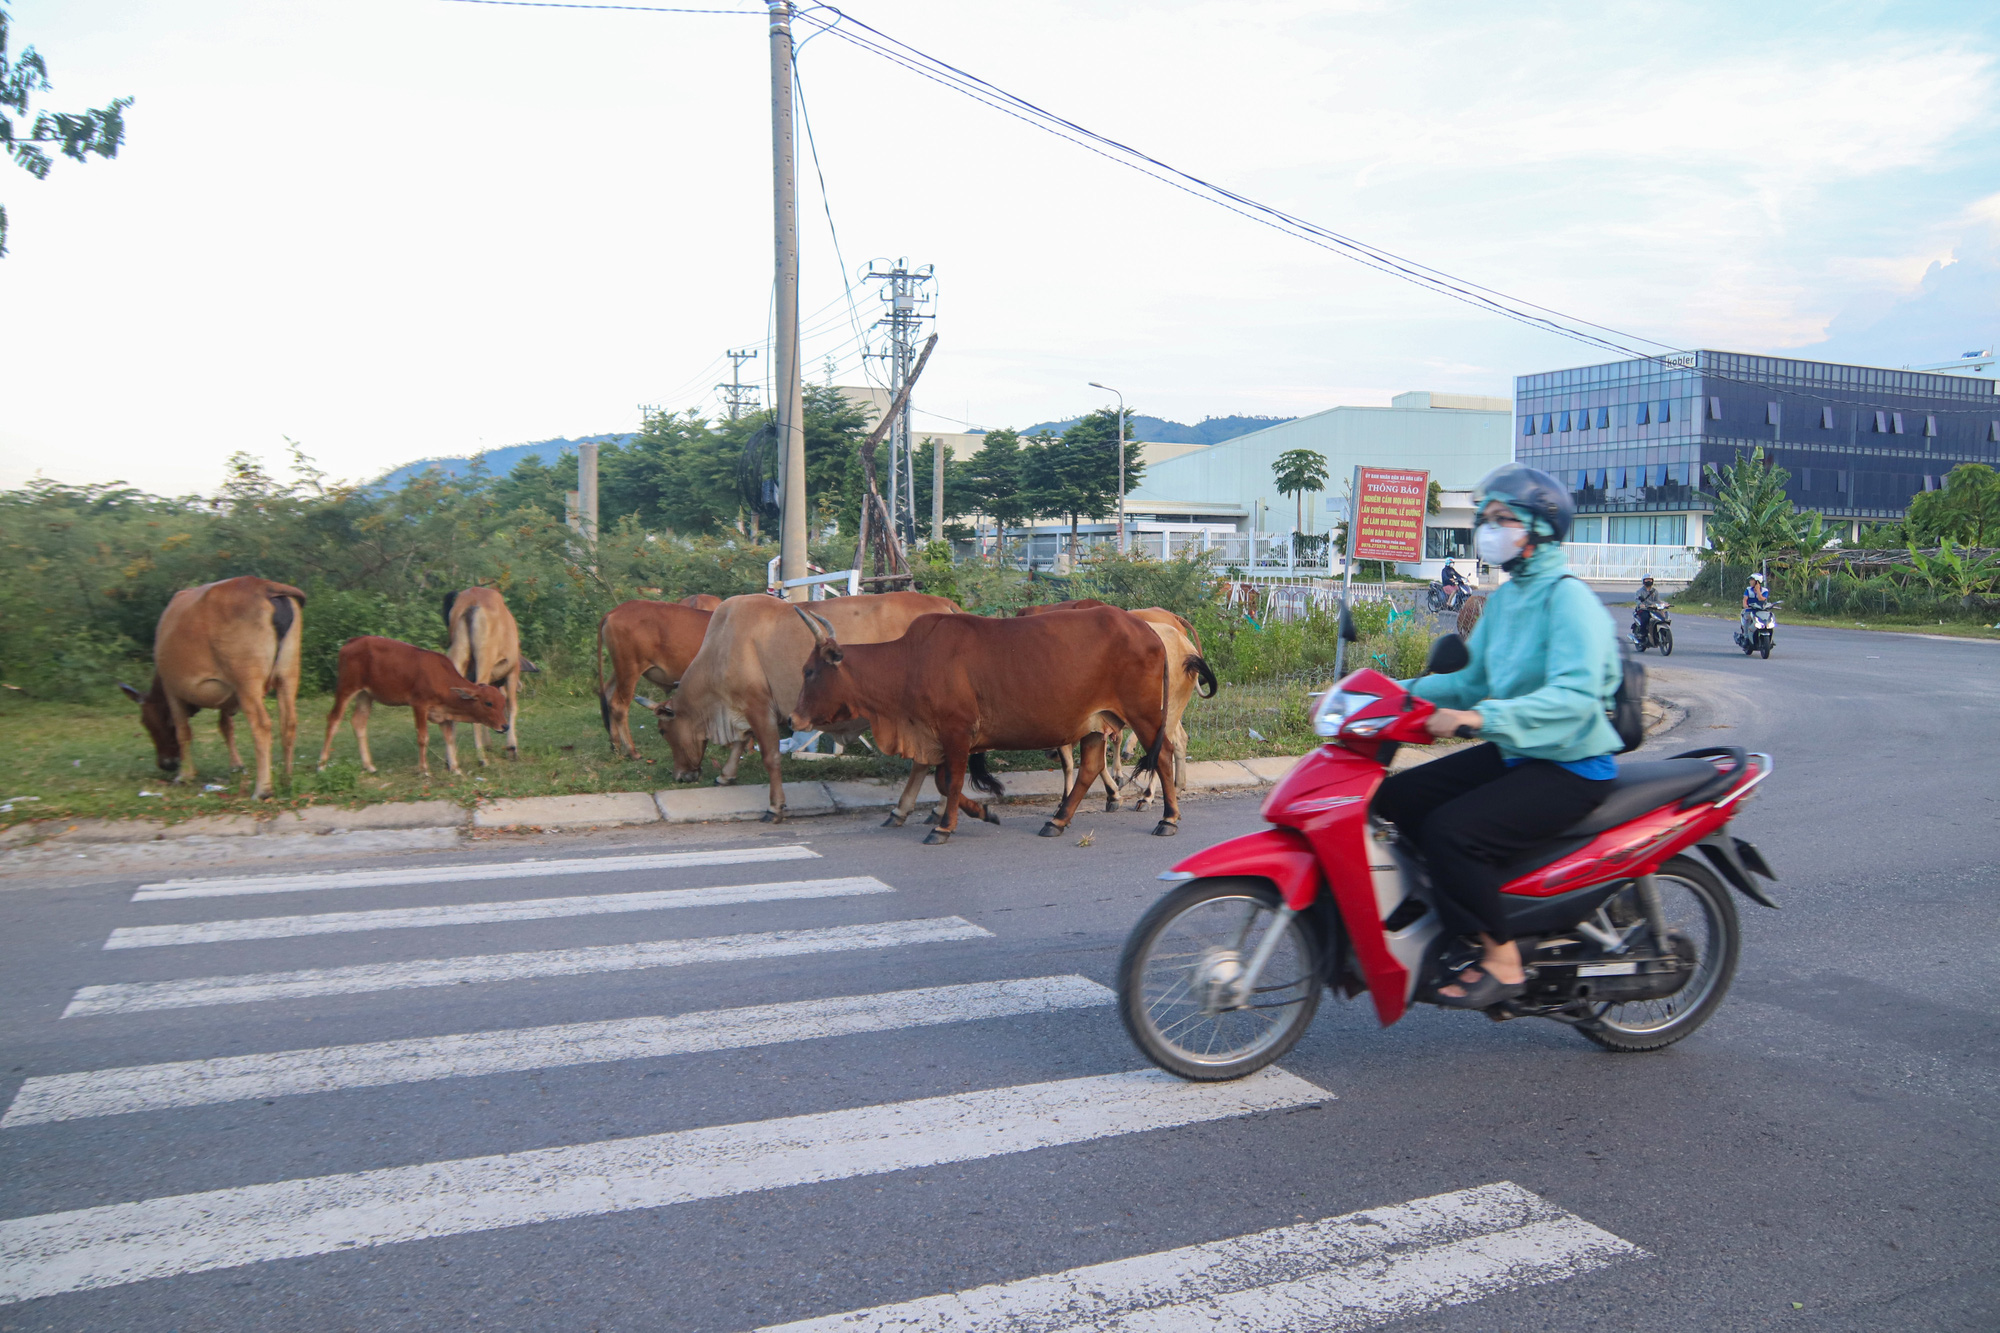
(1631, 439)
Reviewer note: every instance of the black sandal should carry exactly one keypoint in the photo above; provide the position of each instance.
(1484, 993)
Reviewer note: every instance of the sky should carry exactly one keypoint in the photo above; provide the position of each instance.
(395, 229)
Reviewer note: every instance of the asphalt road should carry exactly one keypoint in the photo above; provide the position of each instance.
(1822, 1155)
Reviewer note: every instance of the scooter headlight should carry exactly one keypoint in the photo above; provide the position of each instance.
(1336, 706)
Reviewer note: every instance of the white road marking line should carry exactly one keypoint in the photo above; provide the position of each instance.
(223, 887)
(1349, 1272)
(193, 1233)
(468, 1054)
(479, 914)
(130, 997)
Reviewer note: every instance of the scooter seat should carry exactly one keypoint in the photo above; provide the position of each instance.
(1640, 787)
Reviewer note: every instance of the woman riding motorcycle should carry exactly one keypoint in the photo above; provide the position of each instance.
(1544, 669)
(1756, 597)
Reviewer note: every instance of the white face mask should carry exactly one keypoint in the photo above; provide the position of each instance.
(1497, 543)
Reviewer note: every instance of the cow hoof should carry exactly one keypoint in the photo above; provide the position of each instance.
(513, 753)
(1051, 830)
(931, 818)
(725, 782)
(989, 816)
(894, 821)
(774, 816)
(935, 837)
(1165, 829)
(1110, 805)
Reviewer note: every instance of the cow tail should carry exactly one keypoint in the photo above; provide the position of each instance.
(1152, 756)
(982, 777)
(603, 703)
(449, 598)
(1203, 674)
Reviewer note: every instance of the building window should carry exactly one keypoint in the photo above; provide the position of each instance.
(1677, 474)
(1587, 529)
(1442, 542)
(1563, 425)
(1646, 530)
(1930, 425)
(1897, 419)
(1881, 423)
(1641, 417)
(1715, 409)
(1528, 425)
(1993, 432)
(1826, 418)
(1771, 414)
(1547, 422)
(1666, 412)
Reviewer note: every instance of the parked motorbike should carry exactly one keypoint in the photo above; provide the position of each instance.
(1761, 632)
(1653, 631)
(1447, 599)
(1625, 921)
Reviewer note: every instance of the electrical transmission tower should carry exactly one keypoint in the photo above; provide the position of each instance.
(736, 394)
(905, 294)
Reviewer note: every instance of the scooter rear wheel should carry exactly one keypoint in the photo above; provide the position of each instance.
(1701, 915)
(1174, 975)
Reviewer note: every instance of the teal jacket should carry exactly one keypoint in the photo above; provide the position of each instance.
(1544, 666)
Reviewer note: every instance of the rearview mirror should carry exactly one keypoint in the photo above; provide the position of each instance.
(1347, 630)
(1448, 654)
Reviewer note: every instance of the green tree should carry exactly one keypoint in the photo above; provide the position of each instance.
(1961, 576)
(1076, 476)
(1752, 519)
(992, 481)
(1966, 510)
(1298, 472)
(76, 134)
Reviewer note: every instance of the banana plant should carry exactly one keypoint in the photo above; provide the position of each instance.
(1955, 574)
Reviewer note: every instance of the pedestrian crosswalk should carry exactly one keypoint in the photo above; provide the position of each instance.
(1344, 1272)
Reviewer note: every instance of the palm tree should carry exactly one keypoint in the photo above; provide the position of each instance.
(1299, 471)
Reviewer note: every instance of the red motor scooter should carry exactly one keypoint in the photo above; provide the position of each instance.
(1626, 934)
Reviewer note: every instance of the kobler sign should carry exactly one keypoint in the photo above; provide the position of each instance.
(1389, 513)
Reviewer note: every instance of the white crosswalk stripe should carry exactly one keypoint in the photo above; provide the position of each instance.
(467, 1054)
(228, 886)
(475, 914)
(129, 1242)
(1351, 1272)
(127, 997)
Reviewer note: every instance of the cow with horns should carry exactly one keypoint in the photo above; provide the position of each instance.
(954, 687)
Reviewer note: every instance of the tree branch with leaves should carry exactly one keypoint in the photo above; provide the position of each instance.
(77, 135)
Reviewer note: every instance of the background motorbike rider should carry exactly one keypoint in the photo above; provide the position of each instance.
(1544, 668)
(1756, 597)
(1643, 606)
(1451, 578)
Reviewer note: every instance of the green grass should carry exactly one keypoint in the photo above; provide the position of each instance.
(1893, 623)
(93, 761)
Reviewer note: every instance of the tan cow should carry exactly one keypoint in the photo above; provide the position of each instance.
(702, 601)
(377, 670)
(224, 646)
(486, 649)
(743, 683)
(652, 641)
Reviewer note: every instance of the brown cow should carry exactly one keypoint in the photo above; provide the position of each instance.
(955, 686)
(702, 601)
(486, 649)
(744, 681)
(224, 646)
(649, 640)
(376, 670)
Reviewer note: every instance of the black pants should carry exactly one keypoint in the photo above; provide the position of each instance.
(1470, 815)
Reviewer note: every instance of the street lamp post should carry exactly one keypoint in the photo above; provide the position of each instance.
(1121, 462)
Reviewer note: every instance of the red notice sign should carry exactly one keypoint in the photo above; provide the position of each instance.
(1389, 506)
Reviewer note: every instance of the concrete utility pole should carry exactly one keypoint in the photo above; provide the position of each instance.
(1121, 462)
(586, 491)
(736, 393)
(788, 390)
(905, 297)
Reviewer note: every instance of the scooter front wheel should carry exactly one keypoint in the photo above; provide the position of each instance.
(1179, 990)
(1666, 638)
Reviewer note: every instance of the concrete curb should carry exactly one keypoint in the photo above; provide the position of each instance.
(698, 805)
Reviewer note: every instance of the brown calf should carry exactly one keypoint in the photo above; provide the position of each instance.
(375, 670)
(955, 686)
(652, 641)
(224, 646)
(486, 648)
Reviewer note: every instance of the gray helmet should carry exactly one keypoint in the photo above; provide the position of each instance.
(1541, 501)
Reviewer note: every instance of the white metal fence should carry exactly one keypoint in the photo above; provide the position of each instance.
(1264, 558)
(1590, 561)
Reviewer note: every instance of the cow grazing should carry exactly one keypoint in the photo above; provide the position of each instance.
(225, 646)
(701, 601)
(743, 682)
(955, 686)
(486, 649)
(652, 641)
(376, 670)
